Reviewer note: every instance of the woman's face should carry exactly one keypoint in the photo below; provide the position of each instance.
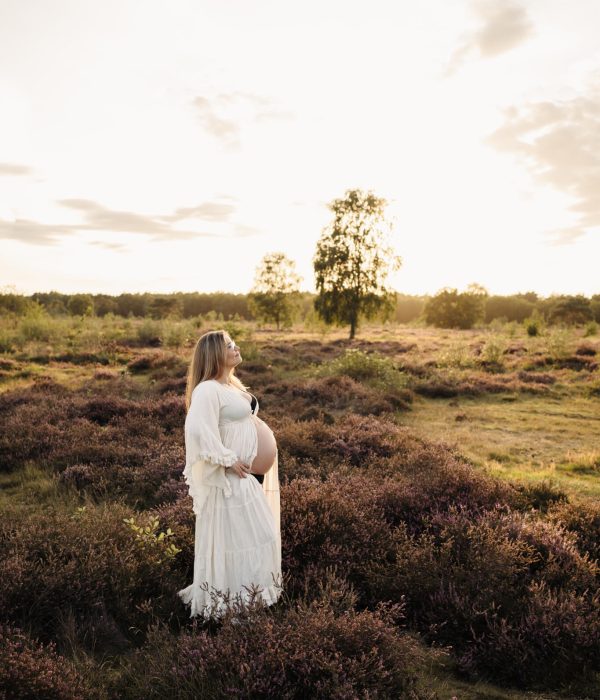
(232, 353)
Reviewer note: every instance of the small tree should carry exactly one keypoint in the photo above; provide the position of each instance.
(81, 305)
(451, 309)
(571, 310)
(275, 292)
(353, 260)
(168, 306)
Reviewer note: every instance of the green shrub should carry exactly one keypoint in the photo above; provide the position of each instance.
(492, 352)
(557, 342)
(512, 329)
(149, 332)
(234, 328)
(457, 355)
(591, 328)
(176, 335)
(250, 351)
(371, 368)
(37, 325)
(7, 340)
(532, 328)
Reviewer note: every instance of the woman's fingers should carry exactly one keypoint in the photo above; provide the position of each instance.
(241, 469)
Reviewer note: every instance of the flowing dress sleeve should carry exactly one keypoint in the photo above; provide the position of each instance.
(205, 454)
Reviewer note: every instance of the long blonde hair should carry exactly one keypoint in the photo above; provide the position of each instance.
(208, 362)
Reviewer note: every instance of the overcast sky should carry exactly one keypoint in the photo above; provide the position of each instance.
(165, 146)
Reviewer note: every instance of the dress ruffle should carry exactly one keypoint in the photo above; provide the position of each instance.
(217, 459)
(202, 476)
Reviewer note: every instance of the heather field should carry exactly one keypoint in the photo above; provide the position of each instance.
(440, 517)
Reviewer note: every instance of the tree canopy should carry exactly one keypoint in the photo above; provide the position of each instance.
(352, 261)
(274, 295)
(451, 309)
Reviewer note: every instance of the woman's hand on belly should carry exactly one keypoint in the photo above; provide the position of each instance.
(241, 469)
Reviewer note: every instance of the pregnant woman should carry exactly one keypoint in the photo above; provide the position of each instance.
(232, 473)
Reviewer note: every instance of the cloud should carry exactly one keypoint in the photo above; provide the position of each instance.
(211, 211)
(271, 114)
(502, 27)
(108, 245)
(224, 130)
(243, 231)
(99, 218)
(559, 141)
(15, 169)
(33, 232)
(223, 116)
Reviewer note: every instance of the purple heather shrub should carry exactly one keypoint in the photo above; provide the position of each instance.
(32, 671)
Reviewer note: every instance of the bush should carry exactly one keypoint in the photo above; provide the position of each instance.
(493, 350)
(542, 495)
(371, 368)
(37, 325)
(554, 642)
(163, 364)
(7, 341)
(456, 355)
(355, 440)
(583, 519)
(557, 344)
(533, 326)
(451, 309)
(322, 527)
(89, 565)
(510, 593)
(338, 392)
(176, 335)
(30, 670)
(348, 521)
(306, 651)
(156, 480)
(67, 428)
(149, 332)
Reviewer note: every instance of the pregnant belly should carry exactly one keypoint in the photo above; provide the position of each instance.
(266, 449)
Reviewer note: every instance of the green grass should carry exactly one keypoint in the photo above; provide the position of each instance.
(528, 440)
(32, 487)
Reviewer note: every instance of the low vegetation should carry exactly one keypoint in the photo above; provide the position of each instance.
(426, 550)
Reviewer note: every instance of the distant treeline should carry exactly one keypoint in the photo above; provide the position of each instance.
(224, 306)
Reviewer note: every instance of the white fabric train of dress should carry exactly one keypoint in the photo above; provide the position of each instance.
(238, 526)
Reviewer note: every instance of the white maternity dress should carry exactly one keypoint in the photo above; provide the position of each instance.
(237, 535)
